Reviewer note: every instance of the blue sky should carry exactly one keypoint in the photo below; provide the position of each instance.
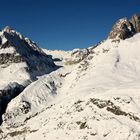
(65, 24)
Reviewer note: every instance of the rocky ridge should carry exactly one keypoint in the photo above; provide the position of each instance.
(125, 28)
(21, 61)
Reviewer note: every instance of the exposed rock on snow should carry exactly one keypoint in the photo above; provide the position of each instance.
(25, 51)
(77, 55)
(122, 29)
(125, 28)
(135, 20)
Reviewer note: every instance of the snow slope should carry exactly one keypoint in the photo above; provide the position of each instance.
(95, 98)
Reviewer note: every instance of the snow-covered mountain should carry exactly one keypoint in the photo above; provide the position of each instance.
(94, 94)
(21, 61)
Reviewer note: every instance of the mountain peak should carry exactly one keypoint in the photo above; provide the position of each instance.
(125, 28)
(15, 48)
(7, 29)
(21, 62)
(136, 16)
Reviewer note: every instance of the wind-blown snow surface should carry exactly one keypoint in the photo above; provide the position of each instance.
(95, 98)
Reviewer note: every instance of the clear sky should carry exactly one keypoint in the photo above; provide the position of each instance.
(65, 24)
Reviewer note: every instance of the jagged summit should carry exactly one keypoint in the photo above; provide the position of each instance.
(125, 28)
(21, 62)
(7, 29)
(15, 48)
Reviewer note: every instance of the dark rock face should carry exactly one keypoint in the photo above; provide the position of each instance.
(24, 50)
(23, 108)
(8, 93)
(8, 58)
(125, 28)
(16, 49)
(135, 20)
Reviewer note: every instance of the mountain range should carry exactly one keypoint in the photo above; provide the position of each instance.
(82, 94)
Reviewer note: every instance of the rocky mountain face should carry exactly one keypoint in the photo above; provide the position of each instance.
(125, 28)
(21, 61)
(16, 48)
(135, 20)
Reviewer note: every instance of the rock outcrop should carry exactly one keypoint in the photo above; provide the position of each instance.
(135, 20)
(8, 93)
(125, 28)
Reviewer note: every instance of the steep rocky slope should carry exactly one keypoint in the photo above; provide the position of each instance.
(125, 28)
(21, 61)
